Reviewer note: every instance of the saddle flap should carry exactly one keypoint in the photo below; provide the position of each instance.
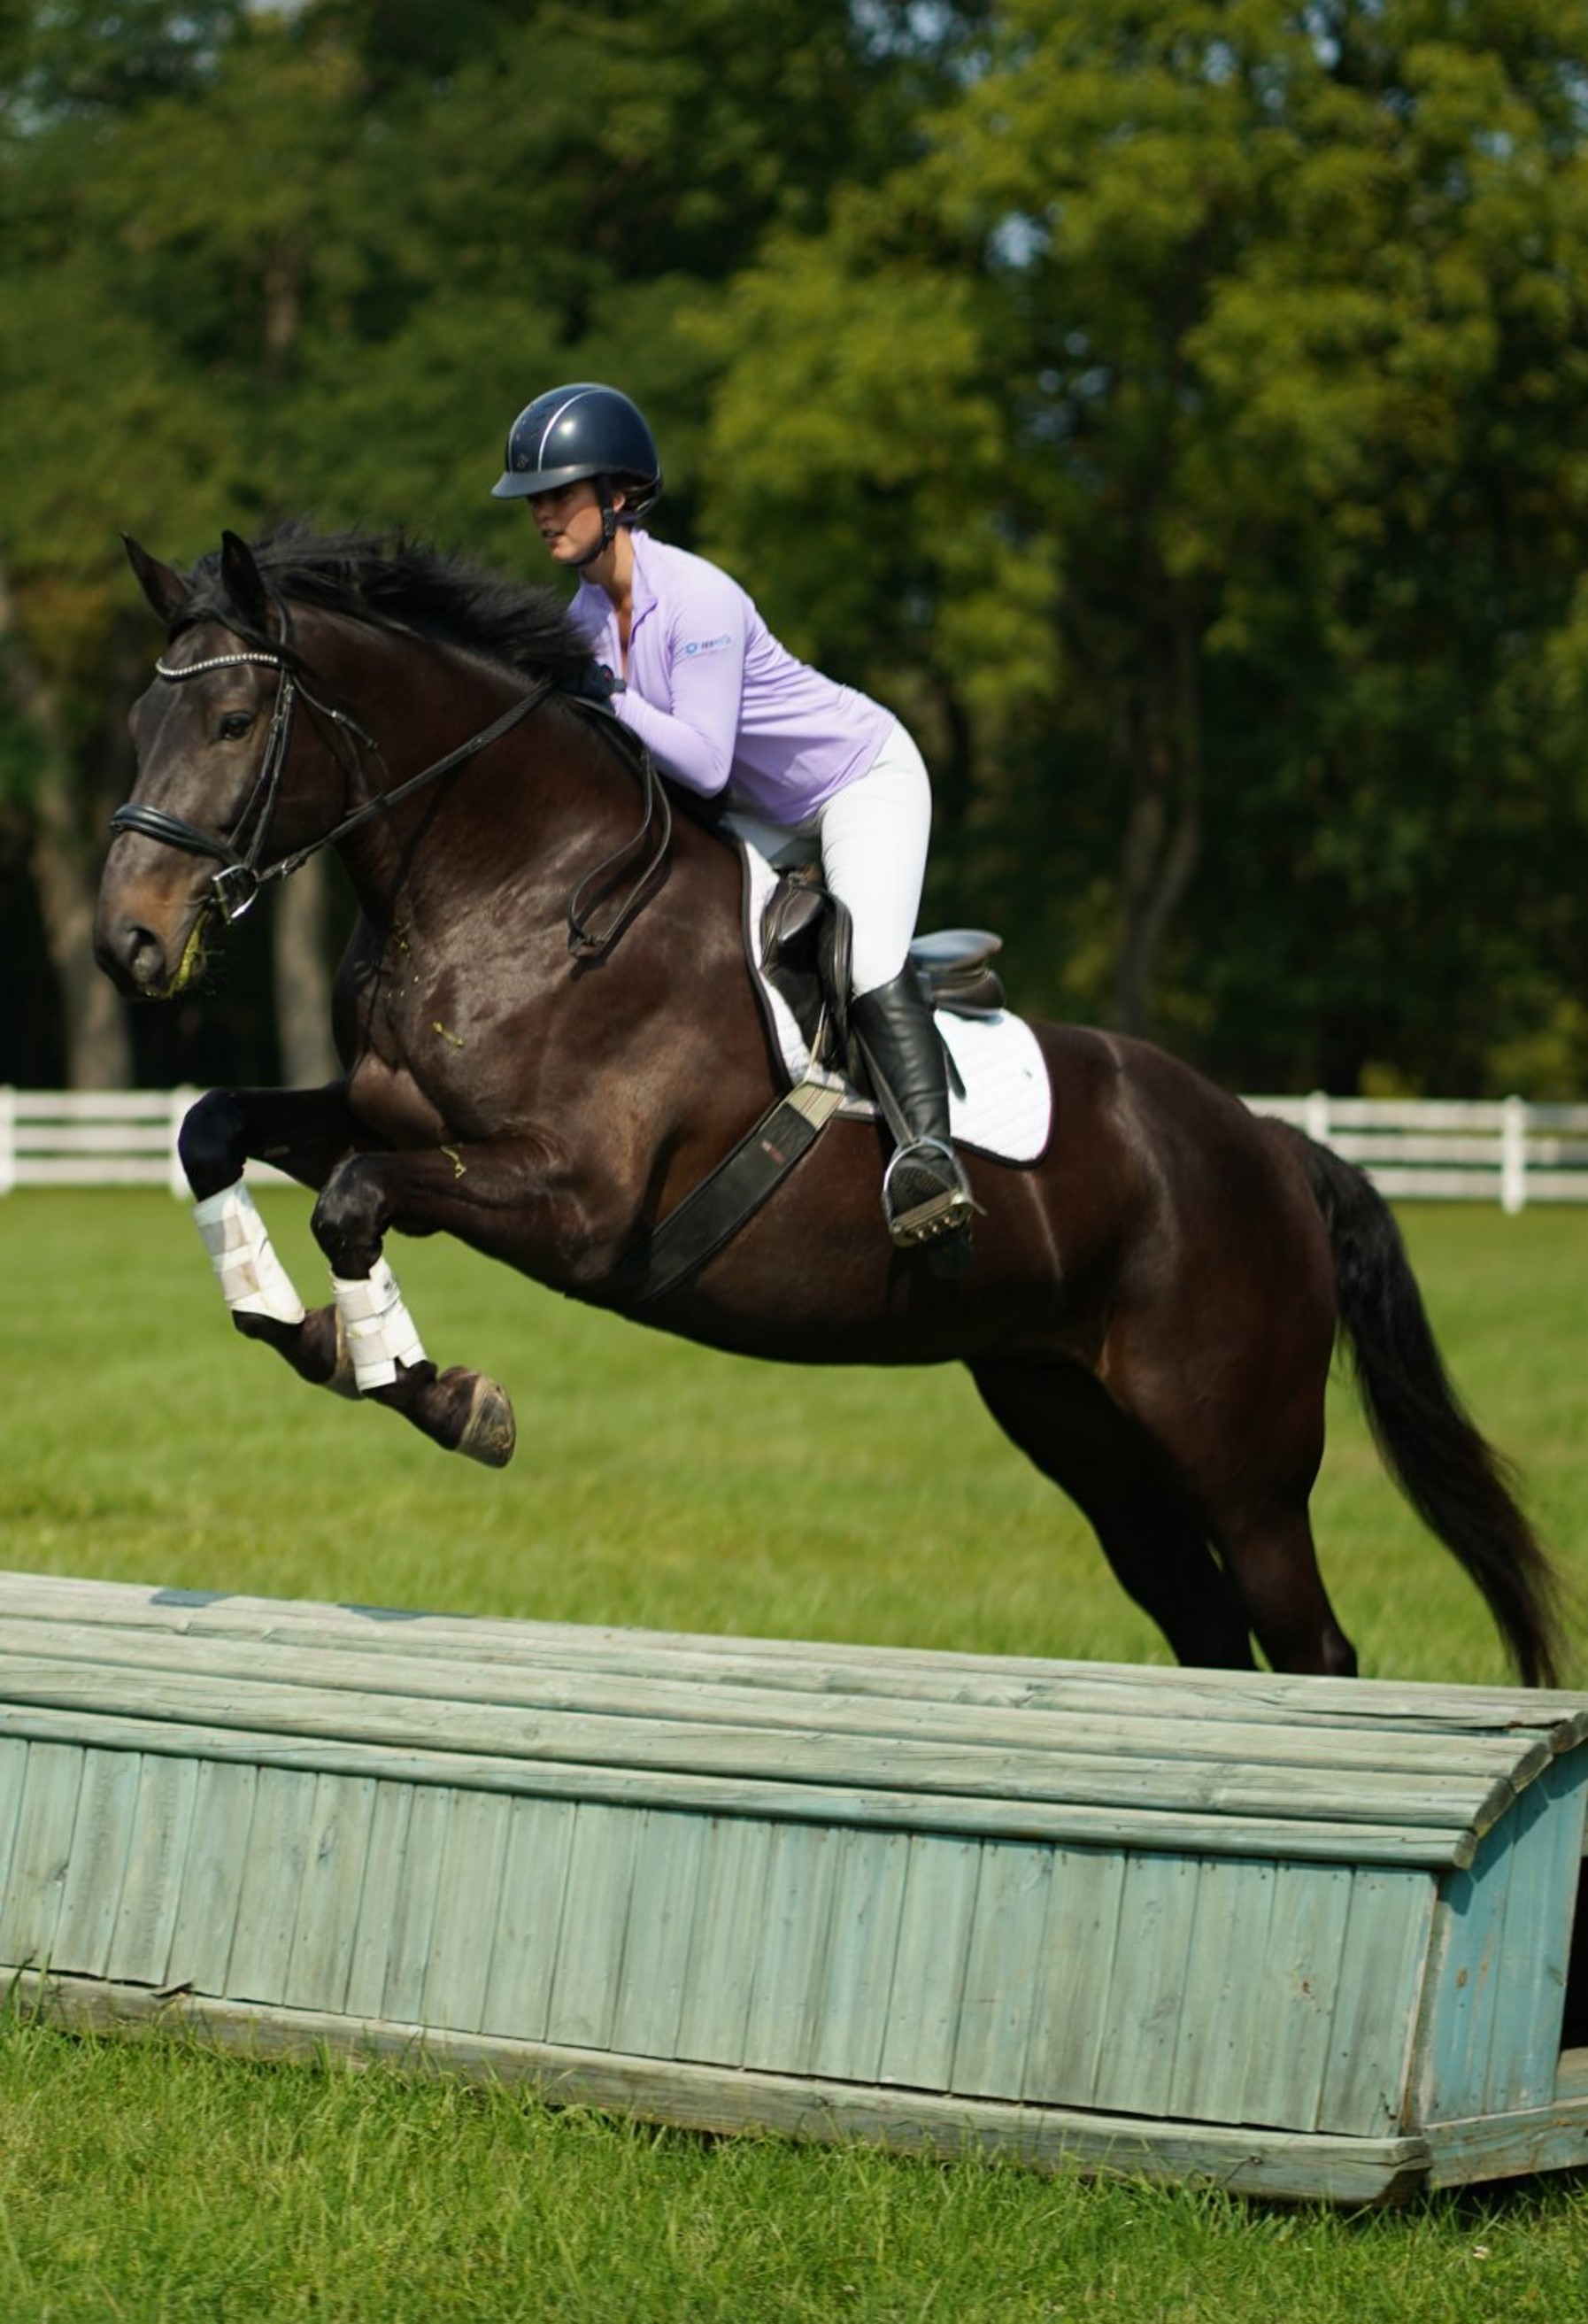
(805, 938)
(792, 911)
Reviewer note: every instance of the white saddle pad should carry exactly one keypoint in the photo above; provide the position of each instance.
(1007, 1107)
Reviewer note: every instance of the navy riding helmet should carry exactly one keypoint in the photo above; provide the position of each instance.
(584, 431)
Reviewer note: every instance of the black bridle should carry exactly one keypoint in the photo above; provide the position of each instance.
(242, 875)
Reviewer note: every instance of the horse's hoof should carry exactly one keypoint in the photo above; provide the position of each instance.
(489, 1431)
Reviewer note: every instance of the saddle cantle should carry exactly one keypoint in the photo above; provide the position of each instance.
(805, 945)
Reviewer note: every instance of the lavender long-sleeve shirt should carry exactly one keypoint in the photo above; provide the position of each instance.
(719, 701)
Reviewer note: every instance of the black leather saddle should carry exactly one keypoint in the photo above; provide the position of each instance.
(805, 948)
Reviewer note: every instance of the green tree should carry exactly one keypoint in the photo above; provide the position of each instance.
(1280, 313)
(257, 261)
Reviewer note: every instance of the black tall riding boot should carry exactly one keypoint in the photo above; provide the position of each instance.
(925, 1196)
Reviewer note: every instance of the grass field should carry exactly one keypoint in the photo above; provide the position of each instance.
(659, 1484)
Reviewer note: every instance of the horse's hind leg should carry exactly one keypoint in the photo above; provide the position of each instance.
(1272, 1561)
(1064, 1420)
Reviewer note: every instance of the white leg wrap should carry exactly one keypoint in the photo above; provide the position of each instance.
(380, 1330)
(253, 1279)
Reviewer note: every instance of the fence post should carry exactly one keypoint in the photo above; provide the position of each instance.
(1318, 1117)
(1514, 1154)
(8, 1139)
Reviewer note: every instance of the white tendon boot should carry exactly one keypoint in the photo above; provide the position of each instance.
(380, 1333)
(251, 1275)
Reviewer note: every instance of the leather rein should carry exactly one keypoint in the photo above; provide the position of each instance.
(235, 885)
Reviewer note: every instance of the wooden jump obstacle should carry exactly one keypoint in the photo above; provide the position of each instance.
(1308, 1938)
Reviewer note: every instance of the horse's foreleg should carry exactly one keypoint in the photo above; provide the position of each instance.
(476, 1192)
(305, 1133)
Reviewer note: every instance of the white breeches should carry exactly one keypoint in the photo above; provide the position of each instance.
(874, 834)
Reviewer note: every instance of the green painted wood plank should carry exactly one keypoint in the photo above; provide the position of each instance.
(1524, 2048)
(1233, 1911)
(1080, 1945)
(212, 1877)
(1091, 1733)
(1387, 1930)
(1293, 1991)
(413, 1910)
(1183, 1784)
(1481, 2030)
(1217, 1833)
(152, 1885)
(594, 1925)
(1571, 2080)
(41, 1852)
(466, 1913)
(14, 1774)
(1001, 1969)
(1553, 2137)
(851, 2018)
(929, 1970)
(1464, 1967)
(728, 1904)
(529, 1915)
(667, 1856)
(385, 1858)
(1271, 2166)
(102, 1838)
(790, 1948)
(325, 1923)
(272, 1876)
(818, 1664)
(1157, 1914)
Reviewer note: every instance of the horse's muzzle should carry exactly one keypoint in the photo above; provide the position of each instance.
(133, 957)
(138, 960)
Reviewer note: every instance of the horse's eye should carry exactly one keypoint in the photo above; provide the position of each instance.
(235, 724)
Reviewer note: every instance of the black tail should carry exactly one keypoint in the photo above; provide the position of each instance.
(1456, 1483)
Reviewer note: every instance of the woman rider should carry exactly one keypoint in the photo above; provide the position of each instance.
(726, 710)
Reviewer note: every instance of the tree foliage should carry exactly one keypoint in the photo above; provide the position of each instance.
(1280, 311)
(1180, 412)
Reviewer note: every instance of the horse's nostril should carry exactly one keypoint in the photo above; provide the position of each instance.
(145, 955)
(135, 957)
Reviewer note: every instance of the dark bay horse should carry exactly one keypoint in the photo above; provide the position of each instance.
(1151, 1308)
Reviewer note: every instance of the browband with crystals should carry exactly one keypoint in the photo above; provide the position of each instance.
(215, 661)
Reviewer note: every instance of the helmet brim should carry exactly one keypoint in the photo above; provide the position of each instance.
(512, 485)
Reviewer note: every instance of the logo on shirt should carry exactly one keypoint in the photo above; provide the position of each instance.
(708, 645)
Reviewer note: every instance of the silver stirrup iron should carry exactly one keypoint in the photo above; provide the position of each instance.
(941, 1215)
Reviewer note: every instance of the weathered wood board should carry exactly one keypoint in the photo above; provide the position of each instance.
(1310, 1937)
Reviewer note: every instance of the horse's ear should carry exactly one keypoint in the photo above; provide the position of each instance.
(163, 586)
(245, 584)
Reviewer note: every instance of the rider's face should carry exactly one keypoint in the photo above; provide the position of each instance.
(568, 521)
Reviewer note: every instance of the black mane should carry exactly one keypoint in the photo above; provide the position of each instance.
(388, 578)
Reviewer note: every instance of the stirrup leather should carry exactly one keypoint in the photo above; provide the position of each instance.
(939, 1203)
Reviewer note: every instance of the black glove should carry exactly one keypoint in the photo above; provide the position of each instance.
(594, 683)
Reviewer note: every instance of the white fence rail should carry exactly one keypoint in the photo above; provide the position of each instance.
(96, 1138)
(1414, 1149)
(1422, 1149)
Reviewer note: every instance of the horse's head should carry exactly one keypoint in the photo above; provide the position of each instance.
(204, 733)
(212, 736)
